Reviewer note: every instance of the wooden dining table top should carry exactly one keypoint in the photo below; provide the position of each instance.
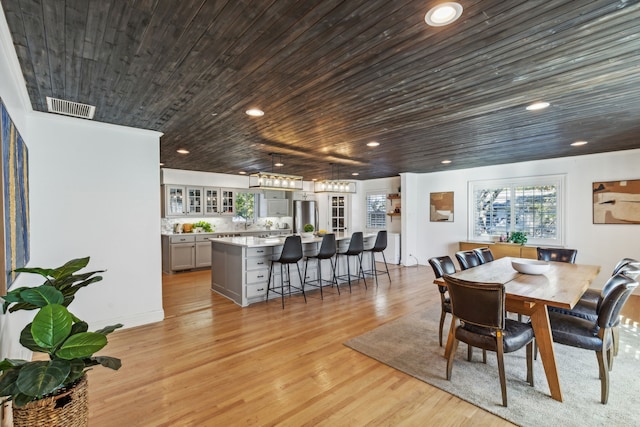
(561, 286)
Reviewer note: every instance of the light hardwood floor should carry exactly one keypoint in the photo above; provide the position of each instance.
(212, 363)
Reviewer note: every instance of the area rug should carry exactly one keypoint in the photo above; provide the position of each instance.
(410, 344)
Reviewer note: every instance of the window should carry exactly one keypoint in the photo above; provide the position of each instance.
(376, 210)
(532, 205)
(245, 207)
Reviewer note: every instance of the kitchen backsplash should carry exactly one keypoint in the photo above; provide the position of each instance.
(224, 224)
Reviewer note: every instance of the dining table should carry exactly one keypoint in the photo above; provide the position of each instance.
(561, 285)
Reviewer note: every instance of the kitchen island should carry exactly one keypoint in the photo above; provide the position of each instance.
(240, 265)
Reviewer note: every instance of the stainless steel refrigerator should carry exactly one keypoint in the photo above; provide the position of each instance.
(304, 212)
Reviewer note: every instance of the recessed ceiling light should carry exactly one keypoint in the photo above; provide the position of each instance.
(355, 174)
(443, 14)
(537, 106)
(373, 144)
(445, 162)
(255, 112)
(279, 164)
(161, 164)
(183, 151)
(242, 173)
(578, 143)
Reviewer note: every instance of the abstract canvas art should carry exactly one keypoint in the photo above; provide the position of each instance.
(616, 202)
(441, 206)
(15, 200)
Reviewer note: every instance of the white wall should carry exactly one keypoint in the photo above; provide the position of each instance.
(597, 244)
(93, 191)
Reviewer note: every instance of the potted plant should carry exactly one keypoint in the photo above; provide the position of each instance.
(308, 230)
(518, 237)
(268, 224)
(53, 391)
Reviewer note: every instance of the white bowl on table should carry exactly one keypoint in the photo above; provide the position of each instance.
(530, 266)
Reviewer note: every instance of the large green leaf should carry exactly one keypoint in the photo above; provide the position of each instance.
(81, 345)
(7, 364)
(65, 270)
(108, 329)
(77, 370)
(51, 326)
(40, 378)
(42, 295)
(8, 385)
(108, 362)
(12, 297)
(79, 326)
(27, 341)
(22, 399)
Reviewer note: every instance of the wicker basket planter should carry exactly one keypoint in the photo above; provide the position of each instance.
(69, 409)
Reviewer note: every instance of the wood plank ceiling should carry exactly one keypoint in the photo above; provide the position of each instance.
(332, 75)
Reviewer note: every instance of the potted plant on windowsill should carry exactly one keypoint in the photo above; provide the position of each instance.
(518, 237)
(53, 392)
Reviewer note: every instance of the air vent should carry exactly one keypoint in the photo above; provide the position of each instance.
(68, 108)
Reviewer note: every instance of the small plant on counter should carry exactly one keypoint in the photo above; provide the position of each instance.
(54, 331)
(268, 223)
(308, 228)
(518, 237)
(206, 227)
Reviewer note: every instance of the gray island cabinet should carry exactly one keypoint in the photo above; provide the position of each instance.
(240, 265)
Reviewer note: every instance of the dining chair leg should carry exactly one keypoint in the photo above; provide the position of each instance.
(530, 363)
(269, 281)
(604, 376)
(616, 339)
(469, 352)
(443, 314)
(503, 379)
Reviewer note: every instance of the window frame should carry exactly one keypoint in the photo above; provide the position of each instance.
(368, 223)
(559, 181)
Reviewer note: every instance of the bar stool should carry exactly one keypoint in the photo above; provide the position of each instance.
(327, 251)
(378, 247)
(291, 254)
(356, 247)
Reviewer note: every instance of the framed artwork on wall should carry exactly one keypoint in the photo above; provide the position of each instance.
(441, 206)
(14, 201)
(616, 202)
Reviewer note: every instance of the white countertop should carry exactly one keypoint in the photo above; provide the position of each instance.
(215, 233)
(254, 242)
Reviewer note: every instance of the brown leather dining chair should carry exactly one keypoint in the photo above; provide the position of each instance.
(484, 255)
(442, 265)
(588, 310)
(468, 259)
(592, 295)
(480, 307)
(557, 254)
(595, 336)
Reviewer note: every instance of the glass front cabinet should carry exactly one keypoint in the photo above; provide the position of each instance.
(181, 200)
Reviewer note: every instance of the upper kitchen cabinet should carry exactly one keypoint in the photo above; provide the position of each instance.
(274, 203)
(211, 200)
(180, 200)
(174, 200)
(227, 202)
(194, 201)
